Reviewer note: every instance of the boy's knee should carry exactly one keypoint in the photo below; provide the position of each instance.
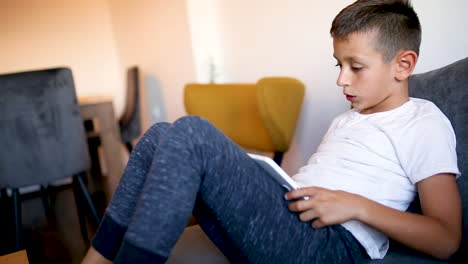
(195, 124)
(158, 128)
(153, 133)
(192, 121)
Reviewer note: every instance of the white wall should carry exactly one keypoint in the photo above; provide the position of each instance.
(206, 44)
(445, 36)
(154, 35)
(259, 38)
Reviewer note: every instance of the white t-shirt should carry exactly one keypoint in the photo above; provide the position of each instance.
(382, 156)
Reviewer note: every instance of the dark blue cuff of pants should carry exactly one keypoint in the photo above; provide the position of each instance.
(129, 253)
(108, 238)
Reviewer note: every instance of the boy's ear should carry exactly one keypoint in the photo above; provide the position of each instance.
(405, 64)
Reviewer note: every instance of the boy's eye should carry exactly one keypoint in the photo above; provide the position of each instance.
(354, 68)
(338, 65)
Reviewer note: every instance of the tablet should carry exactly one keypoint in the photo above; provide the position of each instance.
(275, 171)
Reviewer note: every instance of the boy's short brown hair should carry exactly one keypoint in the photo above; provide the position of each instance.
(395, 22)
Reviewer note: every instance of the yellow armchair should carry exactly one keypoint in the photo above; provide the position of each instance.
(260, 116)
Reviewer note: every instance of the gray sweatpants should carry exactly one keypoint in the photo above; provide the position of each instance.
(191, 167)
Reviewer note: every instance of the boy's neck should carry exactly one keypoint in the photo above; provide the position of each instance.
(401, 95)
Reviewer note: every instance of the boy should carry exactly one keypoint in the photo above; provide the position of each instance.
(365, 173)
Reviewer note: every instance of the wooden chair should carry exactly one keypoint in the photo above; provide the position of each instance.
(130, 120)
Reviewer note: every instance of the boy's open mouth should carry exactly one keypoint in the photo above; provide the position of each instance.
(350, 98)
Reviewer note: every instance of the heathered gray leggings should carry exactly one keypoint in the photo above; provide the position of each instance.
(190, 166)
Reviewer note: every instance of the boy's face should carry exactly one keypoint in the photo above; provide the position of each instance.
(367, 81)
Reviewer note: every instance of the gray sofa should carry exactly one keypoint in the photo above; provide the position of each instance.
(447, 87)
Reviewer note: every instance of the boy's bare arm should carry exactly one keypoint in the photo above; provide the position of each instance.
(437, 232)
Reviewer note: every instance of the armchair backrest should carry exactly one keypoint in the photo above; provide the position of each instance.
(42, 137)
(259, 116)
(279, 102)
(447, 87)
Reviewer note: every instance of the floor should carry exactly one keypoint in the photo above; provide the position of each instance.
(54, 240)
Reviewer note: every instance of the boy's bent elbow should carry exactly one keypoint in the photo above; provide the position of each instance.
(453, 248)
(449, 248)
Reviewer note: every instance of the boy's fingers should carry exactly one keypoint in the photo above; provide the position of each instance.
(317, 223)
(308, 215)
(298, 206)
(302, 205)
(301, 192)
(295, 194)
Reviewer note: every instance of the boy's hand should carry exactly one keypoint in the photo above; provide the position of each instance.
(324, 207)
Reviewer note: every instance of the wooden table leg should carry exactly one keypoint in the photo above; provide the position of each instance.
(103, 114)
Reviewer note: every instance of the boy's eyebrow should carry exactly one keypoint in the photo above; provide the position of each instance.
(349, 58)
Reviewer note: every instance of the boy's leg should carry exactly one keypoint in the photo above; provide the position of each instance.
(257, 227)
(120, 210)
(197, 162)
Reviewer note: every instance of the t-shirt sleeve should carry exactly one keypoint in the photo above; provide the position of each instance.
(428, 147)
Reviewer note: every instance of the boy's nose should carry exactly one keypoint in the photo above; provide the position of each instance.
(342, 80)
